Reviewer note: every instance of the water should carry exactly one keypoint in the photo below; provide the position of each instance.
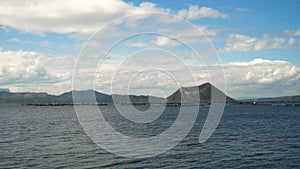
(247, 137)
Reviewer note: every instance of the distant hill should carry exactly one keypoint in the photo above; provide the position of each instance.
(86, 96)
(192, 93)
(29, 97)
(4, 90)
(137, 99)
(295, 98)
(105, 98)
(42, 97)
(66, 98)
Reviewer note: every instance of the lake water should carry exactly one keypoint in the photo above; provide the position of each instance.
(247, 137)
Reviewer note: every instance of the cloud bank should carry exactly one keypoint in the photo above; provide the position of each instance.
(240, 42)
(77, 16)
(32, 71)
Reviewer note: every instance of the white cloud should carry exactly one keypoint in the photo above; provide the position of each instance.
(256, 78)
(67, 16)
(137, 44)
(189, 35)
(33, 70)
(240, 42)
(13, 40)
(4, 28)
(292, 32)
(82, 17)
(43, 43)
(194, 13)
(291, 41)
(165, 41)
(265, 77)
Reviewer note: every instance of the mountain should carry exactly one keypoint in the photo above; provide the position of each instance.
(137, 99)
(4, 90)
(84, 93)
(67, 98)
(295, 98)
(29, 97)
(189, 93)
(87, 95)
(204, 91)
(42, 97)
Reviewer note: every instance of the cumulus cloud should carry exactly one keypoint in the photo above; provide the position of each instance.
(190, 35)
(78, 16)
(67, 16)
(195, 12)
(24, 68)
(240, 42)
(265, 71)
(32, 71)
(165, 41)
(256, 78)
(292, 32)
(265, 77)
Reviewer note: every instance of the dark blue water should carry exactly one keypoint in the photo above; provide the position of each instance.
(247, 137)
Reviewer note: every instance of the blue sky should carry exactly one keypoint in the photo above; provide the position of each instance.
(41, 40)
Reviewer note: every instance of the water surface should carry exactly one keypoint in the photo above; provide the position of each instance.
(247, 137)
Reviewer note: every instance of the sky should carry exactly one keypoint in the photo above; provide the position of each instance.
(155, 46)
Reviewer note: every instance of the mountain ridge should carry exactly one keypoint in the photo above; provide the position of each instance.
(189, 93)
(292, 98)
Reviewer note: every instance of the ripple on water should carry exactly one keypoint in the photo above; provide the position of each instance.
(247, 137)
